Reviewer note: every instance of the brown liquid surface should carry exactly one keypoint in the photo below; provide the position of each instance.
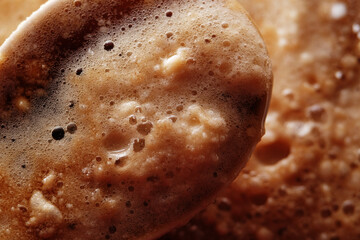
(161, 104)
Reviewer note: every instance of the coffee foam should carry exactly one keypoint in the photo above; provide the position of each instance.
(168, 99)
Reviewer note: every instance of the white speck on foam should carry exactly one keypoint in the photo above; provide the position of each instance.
(339, 74)
(338, 10)
(356, 28)
(282, 42)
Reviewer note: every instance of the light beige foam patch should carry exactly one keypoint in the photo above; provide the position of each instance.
(13, 12)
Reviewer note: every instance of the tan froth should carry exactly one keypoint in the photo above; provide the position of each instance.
(130, 117)
(302, 181)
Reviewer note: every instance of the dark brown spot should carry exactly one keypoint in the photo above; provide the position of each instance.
(77, 3)
(144, 128)
(316, 112)
(112, 229)
(139, 144)
(152, 179)
(108, 45)
(169, 14)
(271, 153)
(132, 120)
(71, 128)
(224, 205)
(348, 207)
(72, 226)
(325, 213)
(79, 71)
(58, 133)
(254, 104)
(259, 199)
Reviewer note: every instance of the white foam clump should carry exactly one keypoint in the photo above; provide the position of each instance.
(175, 62)
(338, 10)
